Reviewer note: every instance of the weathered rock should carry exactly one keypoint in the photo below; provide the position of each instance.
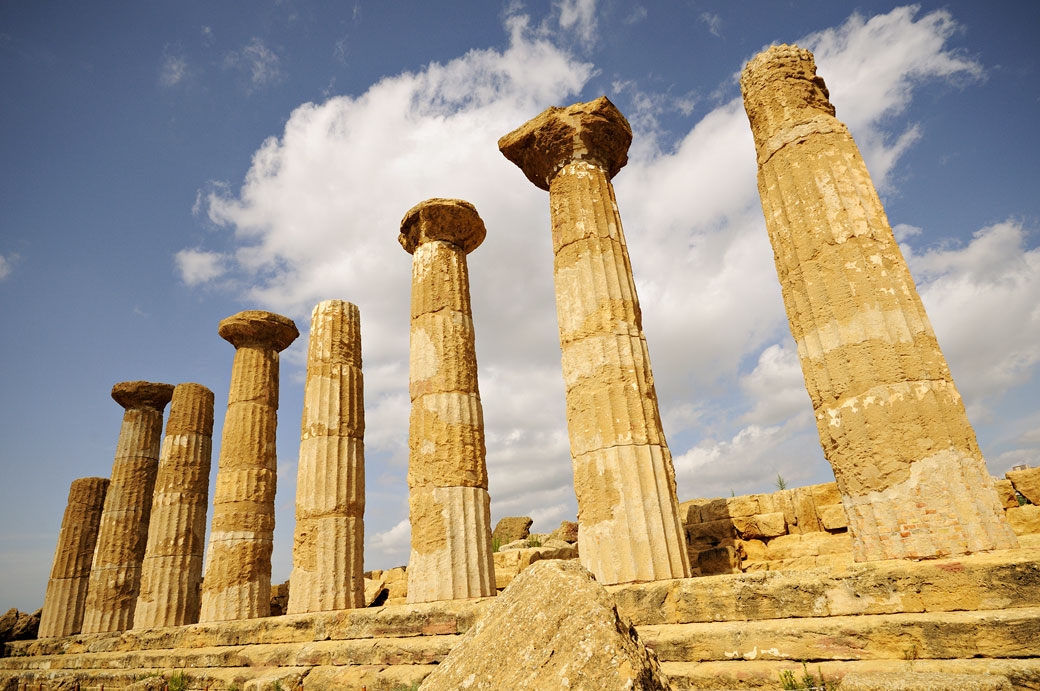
(508, 564)
(115, 573)
(922, 681)
(1024, 519)
(1006, 492)
(1027, 483)
(722, 559)
(70, 574)
(149, 683)
(889, 417)
(19, 626)
(328, 542)
(832, 517)
(764, 525)
(623, 474)
(567, 532)
(553, 628)
(448, 504)
(511, 528)
(237, 583)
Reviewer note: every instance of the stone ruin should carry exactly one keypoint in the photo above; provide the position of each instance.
(913, 570)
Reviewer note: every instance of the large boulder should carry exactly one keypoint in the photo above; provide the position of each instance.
(512, 528)
(567, 532)
(19, 626)
(553, 628)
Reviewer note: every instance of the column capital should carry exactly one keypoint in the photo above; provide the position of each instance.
(258, 328)
(449, 220)
(142, 394)
(781, 90)
(595, 131)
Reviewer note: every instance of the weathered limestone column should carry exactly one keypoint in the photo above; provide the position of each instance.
(237, 584)
(628, 515)
(67, 588)
(892, 425)
(328, 548)
(449, 506)
(115, 575)
(172, 569)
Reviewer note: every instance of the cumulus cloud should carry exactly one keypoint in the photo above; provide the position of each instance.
(261, 65)
(578, 16)
(318, 212)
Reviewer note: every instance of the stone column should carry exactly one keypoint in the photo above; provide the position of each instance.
(628, 515)
(237, 584)
(328, 548)
(449, 507)
(912, 478)
(172, 569)
(67, 588)
(115, 575)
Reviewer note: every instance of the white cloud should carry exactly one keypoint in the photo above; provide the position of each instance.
(261, 65)
(199, 266)
(7, 265)
(319, 210)
(578, 16)
(392, 545)
(173, 69)
(714, 23)
(637, 15)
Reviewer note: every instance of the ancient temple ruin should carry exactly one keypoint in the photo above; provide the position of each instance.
(915, 561)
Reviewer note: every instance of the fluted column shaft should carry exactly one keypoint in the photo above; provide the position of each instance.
(171, 573)
(67, 588)
(450, 510)
(892, 425)
(328, 545)
(629, 528)
(115, 575)
(237, 583)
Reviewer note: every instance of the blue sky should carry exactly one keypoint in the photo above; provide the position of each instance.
(165, 165)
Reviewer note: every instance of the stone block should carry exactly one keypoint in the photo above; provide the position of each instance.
(764, 525)
(512, 528)
(922, 681)
(825, 494)
(1027, 483)
(714, 510)
(1025, 519)
(567, 532)
(832, 517)
(722, 559)
(1006, 493)
(809, 545)
(509, 564)
(745, 505)
(805, 510)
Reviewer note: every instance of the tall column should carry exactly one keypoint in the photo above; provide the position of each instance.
(892, 425)
(115, 575)
(628, 515)
(237, 584)
(449, 507)
(172, 569)
(328, 547)
(67, 588)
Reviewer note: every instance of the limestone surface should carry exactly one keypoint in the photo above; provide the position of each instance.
(892, 425)
(328, 543)
(115, 574)
(553, 628)
(171, 573)
(623, 474)
(449, 507)
(512, 528)
(237, 582)
(67, 588)
(923, 681)
(1027, 483)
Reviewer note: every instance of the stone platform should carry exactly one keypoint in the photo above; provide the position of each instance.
(978, 614)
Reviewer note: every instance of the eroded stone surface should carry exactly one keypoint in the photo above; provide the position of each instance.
(923, 681)
(448, 502)
(115, 574)
(890, 420)
(553, 628)
(67, 588)
(329, 538)
(237, 583)
(623, 474)
(512, 528)
(171, 572)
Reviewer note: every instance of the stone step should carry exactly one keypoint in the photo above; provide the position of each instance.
(990, 581)
(347, 678)
(1009, 633)
(392, 621)
(416, 650)
(765, 674)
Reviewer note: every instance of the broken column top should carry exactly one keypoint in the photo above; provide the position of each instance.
(449, 220)
(258, 328)
(142, 394)
(595, 131)
(192, 410)
(781, 89)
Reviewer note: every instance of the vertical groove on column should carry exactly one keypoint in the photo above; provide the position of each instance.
(237, 582)
(115, 574)
(63, 604)
(449, 507)
(330, 487)
(171, 573)
(890, 420)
